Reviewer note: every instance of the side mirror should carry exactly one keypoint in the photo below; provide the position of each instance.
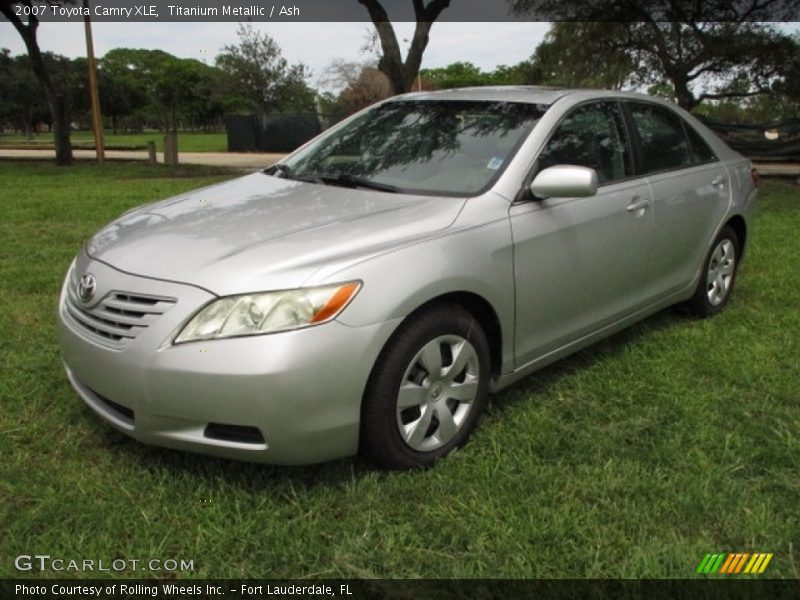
(565, 181)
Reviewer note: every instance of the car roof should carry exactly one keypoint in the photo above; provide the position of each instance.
(529, 94)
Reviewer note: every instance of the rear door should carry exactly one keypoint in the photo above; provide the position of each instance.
(691, 193)
(580, 263)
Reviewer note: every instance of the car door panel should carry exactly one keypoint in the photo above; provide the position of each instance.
(688, 207)
(580, 263)
(691, 194)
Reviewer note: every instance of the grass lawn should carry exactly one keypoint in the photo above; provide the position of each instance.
(187, 141)
(634, 458)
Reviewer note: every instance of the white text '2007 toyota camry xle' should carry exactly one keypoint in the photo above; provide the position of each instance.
(369, 292)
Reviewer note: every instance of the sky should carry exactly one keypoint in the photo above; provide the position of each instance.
(486, 45)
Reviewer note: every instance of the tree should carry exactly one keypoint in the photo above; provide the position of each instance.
(466, 74)
(523, 73)
(790, 86)
(458, 74)
(186, 88)
(369, 87)
(155, 87)
(359, 84)
(704, 50)
(401, 73)
(122, 91)
(263, 79)
(57, 99)
(341, 74)
(18, 85)
(564, 58)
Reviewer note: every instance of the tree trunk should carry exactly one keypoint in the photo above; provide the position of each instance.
(402, 74)
(59, 109)
(59, 106)
(391, 62)
(683, 94)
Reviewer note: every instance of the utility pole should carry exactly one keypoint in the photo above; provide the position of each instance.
(94, 94)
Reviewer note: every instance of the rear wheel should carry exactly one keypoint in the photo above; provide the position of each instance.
(719, 274)
(427, 390)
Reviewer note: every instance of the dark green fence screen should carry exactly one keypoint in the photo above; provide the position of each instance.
(775, 141)
(270, 133)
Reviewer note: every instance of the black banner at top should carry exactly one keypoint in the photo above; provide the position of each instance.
(152, 11)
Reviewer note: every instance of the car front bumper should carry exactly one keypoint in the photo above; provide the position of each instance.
(286, 398)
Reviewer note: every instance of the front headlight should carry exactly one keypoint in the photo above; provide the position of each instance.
(270, 312)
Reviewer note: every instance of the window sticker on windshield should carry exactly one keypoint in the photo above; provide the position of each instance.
(495, 163)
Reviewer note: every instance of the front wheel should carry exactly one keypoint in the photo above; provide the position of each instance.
(719, 275)
(427, 390)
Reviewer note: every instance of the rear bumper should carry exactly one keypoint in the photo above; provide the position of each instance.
(301, 391)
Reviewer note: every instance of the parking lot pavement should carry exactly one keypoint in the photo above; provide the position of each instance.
(244, 161)
(781, 169)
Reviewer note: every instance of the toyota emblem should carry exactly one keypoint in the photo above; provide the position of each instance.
(86, 287)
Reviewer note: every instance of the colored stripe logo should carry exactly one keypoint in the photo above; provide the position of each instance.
(734, 563)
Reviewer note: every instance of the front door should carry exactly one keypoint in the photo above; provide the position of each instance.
(580, 263)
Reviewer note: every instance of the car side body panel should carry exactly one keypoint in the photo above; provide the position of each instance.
(579, 262)
(398, 283)
(688, 208)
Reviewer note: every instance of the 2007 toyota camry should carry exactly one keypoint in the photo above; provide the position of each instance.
(368, 293)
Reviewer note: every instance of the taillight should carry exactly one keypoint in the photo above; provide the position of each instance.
(755, 176)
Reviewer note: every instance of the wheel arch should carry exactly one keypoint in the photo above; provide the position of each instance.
(739, 225)
(477, 306)
(486, 316)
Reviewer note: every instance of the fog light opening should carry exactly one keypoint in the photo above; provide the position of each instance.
(239, 434)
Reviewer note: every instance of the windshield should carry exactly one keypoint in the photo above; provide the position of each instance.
(421, 146)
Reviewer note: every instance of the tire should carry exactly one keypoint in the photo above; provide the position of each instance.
(412, 417)
(718, 276)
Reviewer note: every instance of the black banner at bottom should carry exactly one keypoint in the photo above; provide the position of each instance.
(411, 589)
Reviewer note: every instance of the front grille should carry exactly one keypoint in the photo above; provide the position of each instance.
(118, 317)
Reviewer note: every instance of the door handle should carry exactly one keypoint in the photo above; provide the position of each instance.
(718, 181)
(637, 205)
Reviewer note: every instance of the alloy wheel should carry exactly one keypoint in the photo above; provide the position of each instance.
(721, 268)
(437, 392)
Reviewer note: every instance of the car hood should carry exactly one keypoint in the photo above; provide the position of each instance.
(260, 232)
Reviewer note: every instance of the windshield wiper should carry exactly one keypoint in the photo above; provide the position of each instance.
(285, 172)
(354, 181)
(280, 169)
(345, 180)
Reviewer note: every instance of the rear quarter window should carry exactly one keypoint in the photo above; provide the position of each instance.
(661, 137)
(701, 151)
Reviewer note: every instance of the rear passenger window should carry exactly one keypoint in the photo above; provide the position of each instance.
(664, 145)
(701, 152)
(591, 136)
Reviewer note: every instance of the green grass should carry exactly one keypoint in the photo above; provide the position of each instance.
(187, 141)
(631, 459)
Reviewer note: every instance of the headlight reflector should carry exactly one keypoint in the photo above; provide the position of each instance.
(269, 312)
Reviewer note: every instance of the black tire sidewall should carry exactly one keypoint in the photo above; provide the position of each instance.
(380, 440)
(699, 304)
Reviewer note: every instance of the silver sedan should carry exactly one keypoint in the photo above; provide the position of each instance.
(368, 293)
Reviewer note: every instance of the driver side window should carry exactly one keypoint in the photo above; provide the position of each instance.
(591, 136)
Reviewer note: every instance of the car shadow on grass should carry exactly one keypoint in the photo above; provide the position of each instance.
(542, 380)
(256, 477)
(249, 476)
